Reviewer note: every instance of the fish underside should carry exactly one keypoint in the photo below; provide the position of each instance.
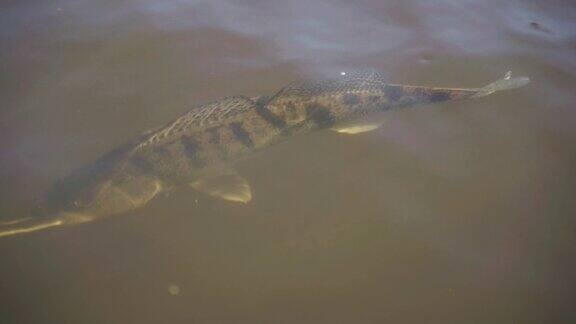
(200, 148)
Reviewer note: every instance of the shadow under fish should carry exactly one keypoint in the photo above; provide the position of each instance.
(200, 148)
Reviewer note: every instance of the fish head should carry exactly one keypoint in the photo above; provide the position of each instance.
(78, 201)
(79, 204)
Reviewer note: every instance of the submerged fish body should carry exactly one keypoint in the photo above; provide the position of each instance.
(200, 147)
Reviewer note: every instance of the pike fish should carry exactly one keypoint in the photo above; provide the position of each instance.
(200, 148)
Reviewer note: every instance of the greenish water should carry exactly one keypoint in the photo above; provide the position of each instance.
(457, 212)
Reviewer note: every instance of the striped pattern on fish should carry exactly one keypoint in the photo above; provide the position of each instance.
(200, 148)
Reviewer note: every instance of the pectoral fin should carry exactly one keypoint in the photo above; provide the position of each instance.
(357, 128)
(228, 186)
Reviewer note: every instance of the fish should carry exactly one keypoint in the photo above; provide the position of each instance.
(199, 149)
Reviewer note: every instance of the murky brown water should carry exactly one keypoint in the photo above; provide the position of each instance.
(462, 212)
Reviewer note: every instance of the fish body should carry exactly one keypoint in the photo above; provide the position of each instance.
(200, 148)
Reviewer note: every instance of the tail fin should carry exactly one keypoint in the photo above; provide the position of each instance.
(507, 82)
(28, 225)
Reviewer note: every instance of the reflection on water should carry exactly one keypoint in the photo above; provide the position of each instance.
(456, 213)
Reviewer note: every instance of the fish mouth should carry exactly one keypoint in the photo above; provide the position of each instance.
(71, 218)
